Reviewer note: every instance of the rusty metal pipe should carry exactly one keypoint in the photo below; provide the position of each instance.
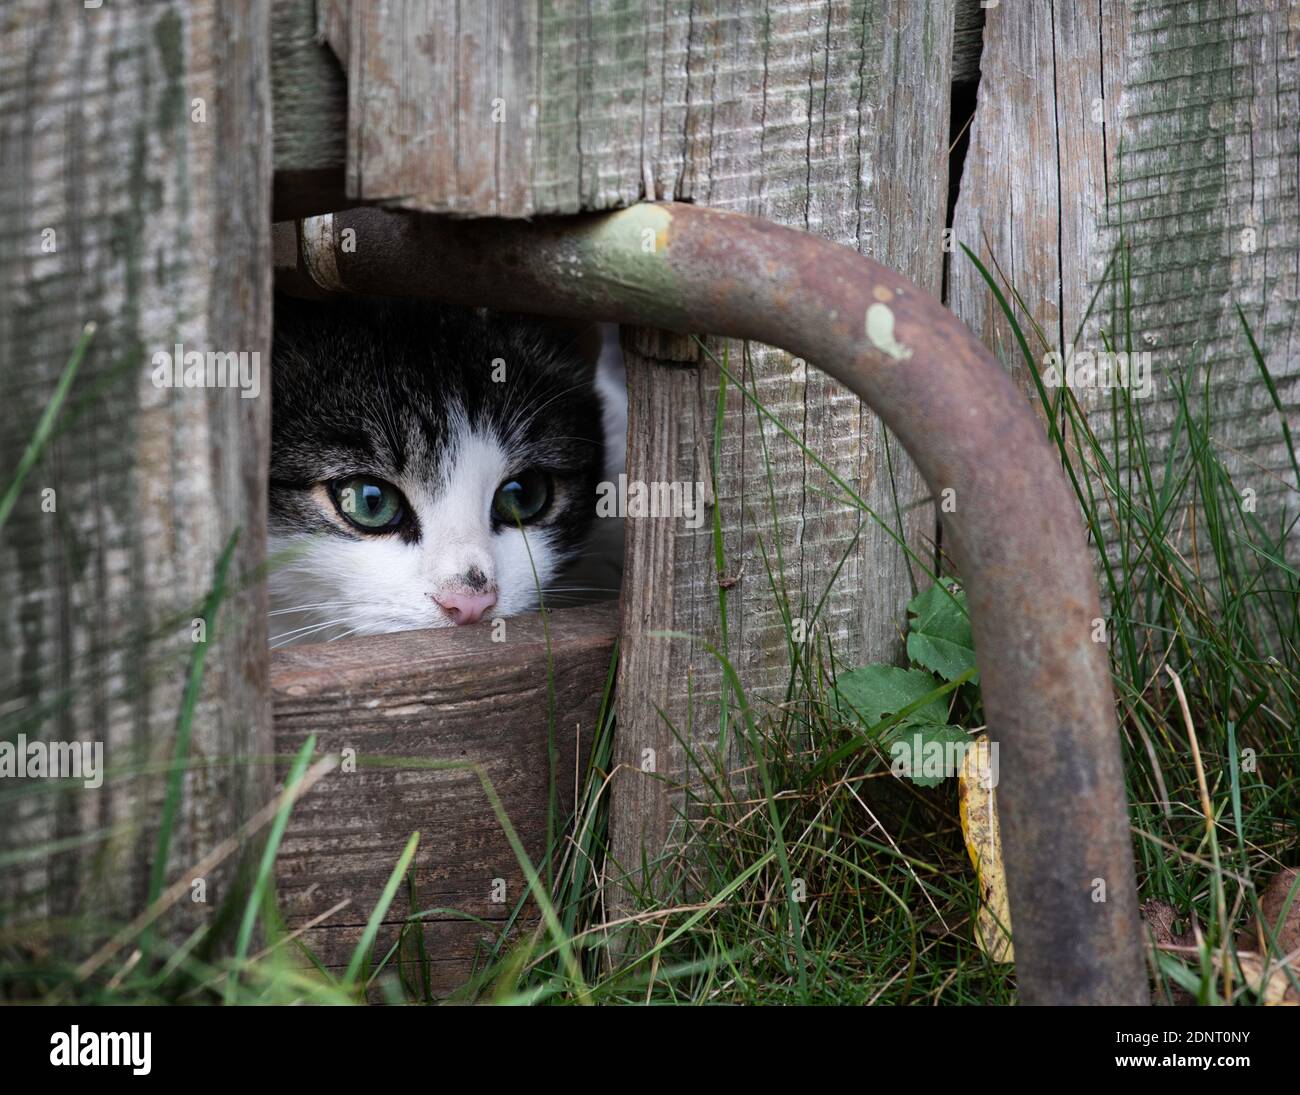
(1016, 532)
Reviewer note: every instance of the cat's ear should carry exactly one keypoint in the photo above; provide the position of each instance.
(589, 340)
(580, 340)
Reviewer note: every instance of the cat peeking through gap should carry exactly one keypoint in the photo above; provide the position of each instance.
(432, 465)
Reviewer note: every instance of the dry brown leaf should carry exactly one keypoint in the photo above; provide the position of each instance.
(1272, 904)
(1277, 989)
(977, 807)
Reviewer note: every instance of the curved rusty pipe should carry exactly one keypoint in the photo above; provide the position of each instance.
(1016, 532)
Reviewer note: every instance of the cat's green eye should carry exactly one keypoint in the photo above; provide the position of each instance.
(370, 504)
(522, 497)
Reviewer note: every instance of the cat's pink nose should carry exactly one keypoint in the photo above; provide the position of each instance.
(465, 608)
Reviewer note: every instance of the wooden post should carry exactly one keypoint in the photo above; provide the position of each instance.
(814, 96)
(670, 428)
(135, 186)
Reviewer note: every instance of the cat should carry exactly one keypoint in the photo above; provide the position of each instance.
(433, 466)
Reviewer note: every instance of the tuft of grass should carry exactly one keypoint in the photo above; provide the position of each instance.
(1202, 623)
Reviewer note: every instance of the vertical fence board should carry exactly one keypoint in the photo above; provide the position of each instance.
(833, 118)
(1175, 127)
(139, 136)
(669, 428)
(441, 105)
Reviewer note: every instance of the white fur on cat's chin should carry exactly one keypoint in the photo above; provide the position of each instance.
(325, 587)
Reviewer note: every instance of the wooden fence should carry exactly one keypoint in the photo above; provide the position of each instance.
(145, 149)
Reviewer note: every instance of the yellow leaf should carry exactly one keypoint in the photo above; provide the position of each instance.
(1272, 990)
(977, 806)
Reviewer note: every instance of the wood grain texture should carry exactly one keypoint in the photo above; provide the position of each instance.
(967, 41)
(600, 103)
(161, 225)
(310, 101)
(441, 105)
(670, 427)
(832, 118)
(1173, 127)
(404, 701)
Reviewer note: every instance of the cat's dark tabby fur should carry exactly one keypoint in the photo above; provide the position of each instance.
(430, 465)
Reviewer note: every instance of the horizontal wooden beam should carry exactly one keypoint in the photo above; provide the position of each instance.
(524, 109)
(392, 706)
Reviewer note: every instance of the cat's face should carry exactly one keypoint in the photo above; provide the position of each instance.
(430, 466)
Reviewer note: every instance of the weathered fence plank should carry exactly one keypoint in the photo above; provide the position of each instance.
(1175, 127)
(669, 429)
(403, 704)
(135, 177)
(310, 98)
(440, 98)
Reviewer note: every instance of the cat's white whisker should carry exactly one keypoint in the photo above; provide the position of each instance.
(309, 607)
(299, 632)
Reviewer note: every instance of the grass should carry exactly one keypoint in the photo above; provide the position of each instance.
(808, 873)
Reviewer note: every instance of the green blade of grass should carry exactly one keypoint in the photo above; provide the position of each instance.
(46, 424)
(262, 883)
(1271, 387)
(184, 723)
(371, 930)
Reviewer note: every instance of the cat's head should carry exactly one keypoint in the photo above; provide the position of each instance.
(430, 465)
